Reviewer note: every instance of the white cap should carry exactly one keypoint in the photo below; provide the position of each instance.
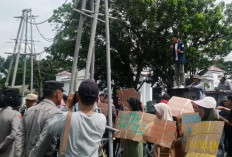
(33, 97)
(207, 102)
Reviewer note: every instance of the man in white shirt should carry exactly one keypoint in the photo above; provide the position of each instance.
(86, 128)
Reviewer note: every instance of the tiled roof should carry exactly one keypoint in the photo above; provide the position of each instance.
(213, 68)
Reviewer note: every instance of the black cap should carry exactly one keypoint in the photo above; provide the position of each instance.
(53, 85)
(88, 88)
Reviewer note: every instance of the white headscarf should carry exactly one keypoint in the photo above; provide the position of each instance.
(164, 111)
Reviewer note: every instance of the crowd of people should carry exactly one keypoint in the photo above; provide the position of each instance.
(59, 125)
(40, 132)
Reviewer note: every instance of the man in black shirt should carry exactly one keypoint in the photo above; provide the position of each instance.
(228, 124)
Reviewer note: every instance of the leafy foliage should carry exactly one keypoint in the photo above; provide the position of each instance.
(141, 37)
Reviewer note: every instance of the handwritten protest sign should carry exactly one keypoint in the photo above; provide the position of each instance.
(192, 154)
(187, 120)
(203, 138)
(131, 125)
(127, 93)
(161, 132)
(180, 105)
(104, 108)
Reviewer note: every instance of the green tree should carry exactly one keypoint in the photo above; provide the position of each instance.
(140, 38)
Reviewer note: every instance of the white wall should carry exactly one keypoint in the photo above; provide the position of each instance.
(146, 93)
(67, 79)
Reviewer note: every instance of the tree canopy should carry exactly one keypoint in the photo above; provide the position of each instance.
(140, 35)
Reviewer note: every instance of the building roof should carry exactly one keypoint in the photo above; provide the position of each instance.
(216, 69)
(64, 73)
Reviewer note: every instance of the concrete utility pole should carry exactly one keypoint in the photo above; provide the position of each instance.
(32, 57)
(108, 61)
(77, 49)
(19, 49)
(25, 56)
(92, 68)
(92, 39)
(14, 51)
(91, 57)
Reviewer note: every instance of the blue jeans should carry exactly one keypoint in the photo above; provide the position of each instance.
(221, 147)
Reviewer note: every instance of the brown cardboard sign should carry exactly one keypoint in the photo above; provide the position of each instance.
(187, 120)
(131, 125)
(124, 94)
(203, 138)
(180, 105)
(161, 132)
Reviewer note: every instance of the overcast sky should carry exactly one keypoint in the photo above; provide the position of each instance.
(9, 25)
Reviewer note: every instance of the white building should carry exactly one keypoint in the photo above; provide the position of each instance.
(212, 77)
(146, 89)
(65, 77)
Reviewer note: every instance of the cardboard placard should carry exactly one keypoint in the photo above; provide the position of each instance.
(161, 132)
(127, 93)
(131, 125)
(203, 138)
(192, 154)
(180, 105)
(104, 108)
(187, 120)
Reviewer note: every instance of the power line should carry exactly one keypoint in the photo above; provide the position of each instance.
(39, 53)
(45, 38)
(39, 23)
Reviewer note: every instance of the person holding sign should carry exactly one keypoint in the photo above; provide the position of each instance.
(177, 49)
(132, 148)
(206, 109)
(163, 112)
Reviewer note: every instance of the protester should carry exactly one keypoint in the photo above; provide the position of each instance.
(102, 97)
(86, 127)
(63, 106)
(30, 138)
(132, 148)
(31, 100)
(9, 121)
(114, 112)
(225, 116)
(119, 105)
(178, 54)
(163, 112)
(165, 98)
(197, 83)
(228, 124)
(206, 109)
(223, 87)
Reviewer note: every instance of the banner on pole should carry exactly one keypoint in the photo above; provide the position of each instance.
(180, 105)
(203, 138)
(124, 94)
(131, 125)
(161, 132)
